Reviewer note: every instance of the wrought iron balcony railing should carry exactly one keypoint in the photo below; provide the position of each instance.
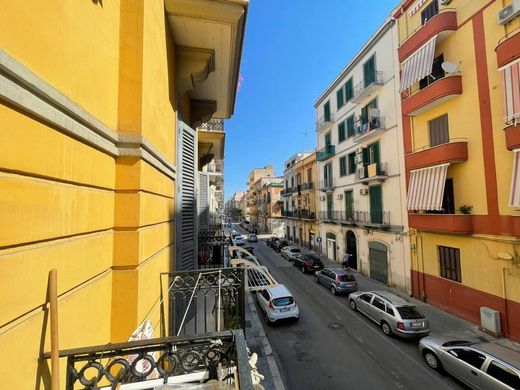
(364, 130)
(324, 122)
(326, 153)
(327, 184)
(365, 86)
(373, 217)
(307, 186)
(213, 125)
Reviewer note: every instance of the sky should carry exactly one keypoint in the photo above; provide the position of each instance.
(293, 50)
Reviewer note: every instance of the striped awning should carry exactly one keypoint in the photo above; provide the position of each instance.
(419, 65)
(510, 75)
(514, 195)
(426, 188)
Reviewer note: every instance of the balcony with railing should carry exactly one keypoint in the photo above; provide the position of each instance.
(330, 215)
(365, 131)
(286, 191)
(439, 222)
(367, 87)
(372, 218)
(372, 172)
(508, 49)
(326, 153)
(212, 125)
(454, 151)
(431, 94)
(327, 184)
(307, 186)
(325, 122)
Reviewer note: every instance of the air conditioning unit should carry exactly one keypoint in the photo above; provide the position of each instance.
(363, 191)
(490, 320)
(509, 12)
(444, 2)
(339, 196)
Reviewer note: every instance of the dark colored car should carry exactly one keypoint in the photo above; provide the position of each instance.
(271, 240)
(307, 263)
(278, 245)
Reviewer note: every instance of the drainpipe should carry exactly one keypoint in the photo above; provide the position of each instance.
(423, 277)
(506, 311)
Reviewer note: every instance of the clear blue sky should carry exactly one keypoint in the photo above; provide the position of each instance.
(293, 50)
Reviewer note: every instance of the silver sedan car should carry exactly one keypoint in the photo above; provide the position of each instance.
(480, 365)
(394, 314)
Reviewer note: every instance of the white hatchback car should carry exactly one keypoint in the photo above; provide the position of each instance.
(277, 303)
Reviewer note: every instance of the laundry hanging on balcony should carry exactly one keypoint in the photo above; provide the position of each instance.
(426, 188)
(510, 75)
(419, 65)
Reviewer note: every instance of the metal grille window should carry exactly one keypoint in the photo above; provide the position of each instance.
(449, 259)
(343, 166)
(341, 132)
(439, 130)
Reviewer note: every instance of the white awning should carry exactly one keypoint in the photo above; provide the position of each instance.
(510, 75)
(419, 65)
(426, 188)
(514, 195)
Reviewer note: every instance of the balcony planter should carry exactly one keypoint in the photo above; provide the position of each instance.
(512, 137)
(434, 94)
(448, 223)
(451, 152)
(441, 24)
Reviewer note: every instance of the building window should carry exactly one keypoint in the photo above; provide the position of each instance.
(429, 12)
(371, 154)
(350, 126)
(436, 74)
(368, 112)
(327, 175)
(309, 175)
(439, 130)
(376, 204)
(326, 112)
(351, 163)
(339, 97)
(349, 89)
(341, 132)
(327, 139)
(449, 259)
(342, 166)
(369, 71)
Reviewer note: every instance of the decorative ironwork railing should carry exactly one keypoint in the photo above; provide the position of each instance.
(213, 125)
(159, 361)
(212, 244)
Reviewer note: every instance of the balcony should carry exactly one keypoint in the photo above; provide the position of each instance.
(508, 48)
(286, 191)
(215, 167)
(447, 223)
(328, 184)
(512, 134)
(325, 122)
(326, 153)
(362, 91)
(212, 125)
(371, 219)
(370, 129)
(373, 172)
(433, 95)
(456, 150)
(307, 186)
(443, 24)
(330, 215)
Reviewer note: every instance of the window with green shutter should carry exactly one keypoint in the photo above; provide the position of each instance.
(327, 139)
(342, 166)
(376, 204)
(339, 98)
(326, 112)
(350, 126)
(369, 71)
(351, 163)
(341, 132)
(349, 89)
(349, 204)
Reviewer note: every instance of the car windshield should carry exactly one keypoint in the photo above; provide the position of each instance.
(346, 278)
(410, 313)
(313, 260)
(283, 301)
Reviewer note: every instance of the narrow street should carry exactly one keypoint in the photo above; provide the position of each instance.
(332, 347)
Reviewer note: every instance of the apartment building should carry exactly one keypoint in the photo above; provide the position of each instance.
(253, 195)
(360, 164)
(300, 199)
(460, 98)
(235, 206)
(269, 206)
(98, 102)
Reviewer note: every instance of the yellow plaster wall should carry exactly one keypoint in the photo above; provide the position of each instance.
(476, 254)
(78, 59)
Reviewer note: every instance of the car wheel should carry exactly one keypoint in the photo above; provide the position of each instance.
(316, 279)
(333, 290)
(353, 305)
(386, 328)
(303, 269)
(432, 360)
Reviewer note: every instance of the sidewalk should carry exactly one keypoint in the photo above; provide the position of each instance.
(441, 322)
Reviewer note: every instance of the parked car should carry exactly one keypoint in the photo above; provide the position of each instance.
(307, 263)
(289, 252)
(277, 303)
(239, 240)
(480, 365)
(278, 245)
(394, 314)
(252, 238)
(337, 280)
(270, 241)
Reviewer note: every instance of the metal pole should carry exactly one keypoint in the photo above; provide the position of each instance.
(55, 350)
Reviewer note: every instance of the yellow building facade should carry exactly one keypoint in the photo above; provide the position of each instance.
(91, 97)
(460, 140)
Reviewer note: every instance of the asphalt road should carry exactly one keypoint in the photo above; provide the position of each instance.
(333, 347)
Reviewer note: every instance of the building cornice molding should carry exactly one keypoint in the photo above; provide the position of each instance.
(24, 89)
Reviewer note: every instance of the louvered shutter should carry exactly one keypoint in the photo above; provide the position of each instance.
(186, 200)
(203, 201)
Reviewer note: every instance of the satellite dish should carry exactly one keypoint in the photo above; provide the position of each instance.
(449, 67)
